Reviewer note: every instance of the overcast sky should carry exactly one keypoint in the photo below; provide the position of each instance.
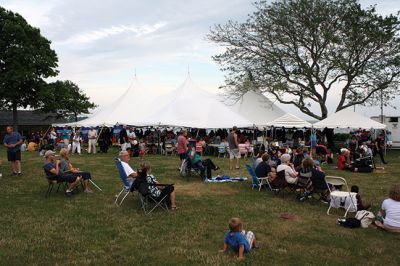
(101, 43)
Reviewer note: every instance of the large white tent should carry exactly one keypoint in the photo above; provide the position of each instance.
(194, 107)
(289, 121)
(257, 108)
(128, 109)
(348, 119)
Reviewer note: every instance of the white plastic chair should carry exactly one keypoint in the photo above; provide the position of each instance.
(341, 199)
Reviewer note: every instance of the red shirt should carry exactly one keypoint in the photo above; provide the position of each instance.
(182, 144)
(341, 163)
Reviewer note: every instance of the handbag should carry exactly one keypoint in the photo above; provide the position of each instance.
(366, 218)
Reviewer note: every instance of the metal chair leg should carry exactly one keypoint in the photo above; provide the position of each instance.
(94, 184)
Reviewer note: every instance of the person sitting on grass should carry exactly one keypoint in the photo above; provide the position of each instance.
(158, 191)
(52, 170)
(344, 159)
(204, 165)
(390, 211)
(239, 240)
(360, 204)
(290, 172)
(67, 169)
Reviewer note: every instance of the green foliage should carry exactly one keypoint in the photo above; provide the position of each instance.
(65, 96)
(302, 50)
(26, 59)
(88, 229)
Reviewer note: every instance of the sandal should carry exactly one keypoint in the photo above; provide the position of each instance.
(174, 208)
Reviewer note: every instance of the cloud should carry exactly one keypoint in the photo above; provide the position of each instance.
(94, 35)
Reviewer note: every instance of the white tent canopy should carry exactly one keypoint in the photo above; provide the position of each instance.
(257, 108)
(289, 121)
(126, 110)
(193, 107)
(348, 119)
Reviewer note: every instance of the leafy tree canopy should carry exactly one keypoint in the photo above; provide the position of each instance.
(301, 50)
(65, 96)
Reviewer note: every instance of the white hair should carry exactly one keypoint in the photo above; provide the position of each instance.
(285, 158)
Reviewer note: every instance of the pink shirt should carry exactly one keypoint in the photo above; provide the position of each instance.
(182, 144)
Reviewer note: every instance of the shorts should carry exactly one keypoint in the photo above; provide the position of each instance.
(234, 153)
(64, 178)
(182, 156)
(389, 142)
(249, 236)
(13, 156)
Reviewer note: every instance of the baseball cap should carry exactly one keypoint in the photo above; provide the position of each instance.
(49, 153)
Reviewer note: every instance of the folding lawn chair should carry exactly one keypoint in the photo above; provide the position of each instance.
(341, 199)
(147, 202)
(186, 168)
(52, 183)
(258, 182)
(127, 185)
(253, 161)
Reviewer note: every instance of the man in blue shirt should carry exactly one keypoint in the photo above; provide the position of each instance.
(12, 140)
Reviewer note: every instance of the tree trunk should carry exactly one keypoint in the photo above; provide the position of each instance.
(76, 117)
(15, 116)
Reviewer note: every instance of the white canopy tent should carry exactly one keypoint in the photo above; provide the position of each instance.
(126, 110)
(193, 107)
(348, 119)
(257, 108)
(289, 121)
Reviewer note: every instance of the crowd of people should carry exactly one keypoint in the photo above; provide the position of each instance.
(287, 165)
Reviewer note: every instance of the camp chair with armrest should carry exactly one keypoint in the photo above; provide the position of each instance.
(279, 184)
(52, 183)
(221, 149)
(253, 161)
(340, 198)
(258, 182)
(126, 189)
(148, 203)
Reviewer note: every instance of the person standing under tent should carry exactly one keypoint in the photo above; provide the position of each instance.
(65, 136)
(53, 136)
(123, 139)
(233, 144)
(76, 143)
(132, 137)
(92, 138)
(12, 140)
(380, 145)
(182, 146)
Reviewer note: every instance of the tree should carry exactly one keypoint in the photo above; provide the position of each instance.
(302, 51)
(26, 59)
(65, 96)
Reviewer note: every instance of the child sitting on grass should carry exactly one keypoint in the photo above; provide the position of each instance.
(237, 239)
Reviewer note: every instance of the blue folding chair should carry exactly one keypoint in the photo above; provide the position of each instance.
(258, 182)
(127, 185)
(253, 162)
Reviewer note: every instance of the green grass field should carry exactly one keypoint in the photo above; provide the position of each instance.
(88, 229)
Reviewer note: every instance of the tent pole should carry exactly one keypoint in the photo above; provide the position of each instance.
(98, 135)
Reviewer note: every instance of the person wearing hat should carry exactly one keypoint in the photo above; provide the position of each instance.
(52, 170)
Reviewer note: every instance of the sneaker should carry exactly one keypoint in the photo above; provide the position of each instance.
(217, 168)
(19, 174)
(68, 193)
(15, 173)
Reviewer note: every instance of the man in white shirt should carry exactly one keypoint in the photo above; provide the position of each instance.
(125, 158)
(92, 137)
(132, 137)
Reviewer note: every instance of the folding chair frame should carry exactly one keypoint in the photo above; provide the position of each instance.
(51, 185)
(149, 204)
(257, 181)
(339, 181)
(127, 186)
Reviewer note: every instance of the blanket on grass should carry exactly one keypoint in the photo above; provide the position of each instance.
(225, 179)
